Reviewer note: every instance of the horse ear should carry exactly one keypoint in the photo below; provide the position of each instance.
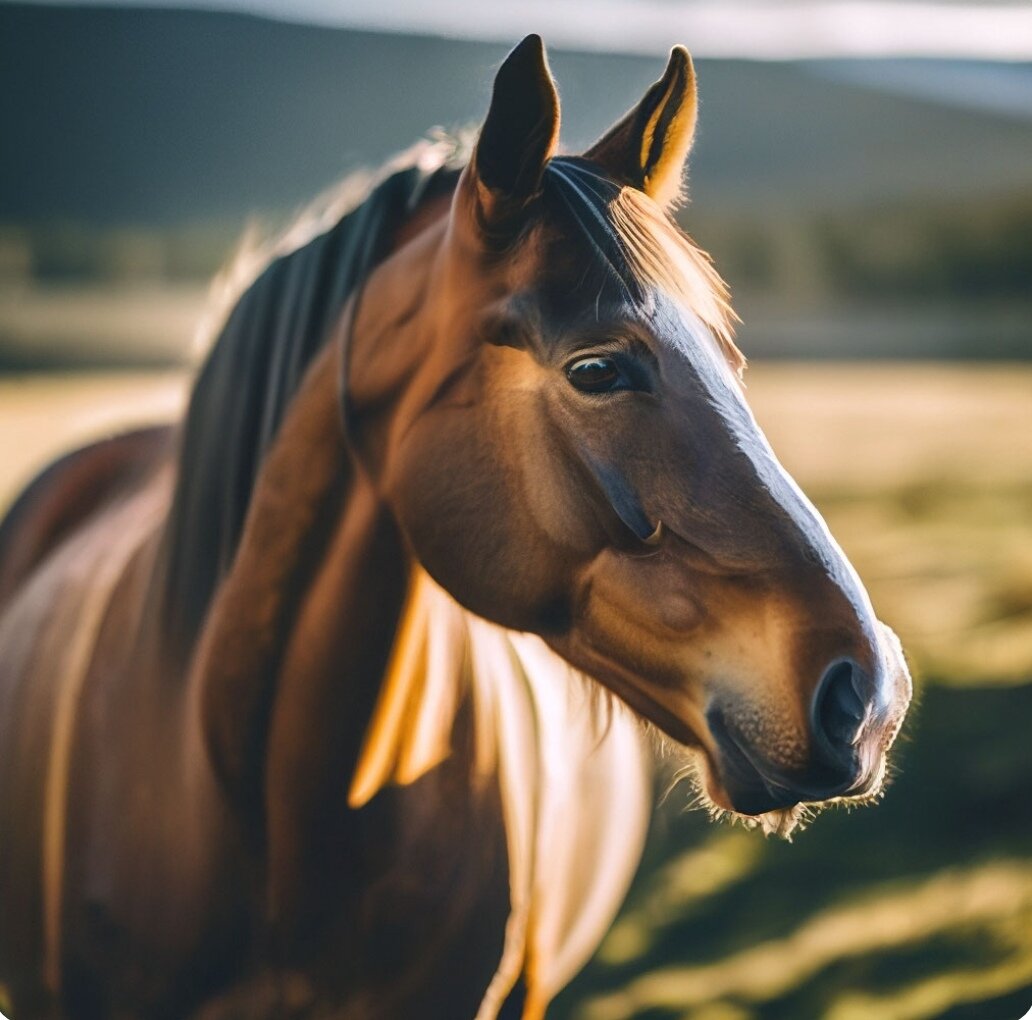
(648, 147)
(519, 135)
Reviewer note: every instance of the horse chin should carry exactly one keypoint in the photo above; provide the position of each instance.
(709, 794)
(782, 821)
(790, 819)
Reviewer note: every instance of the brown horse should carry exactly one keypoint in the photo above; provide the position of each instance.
(305, 705)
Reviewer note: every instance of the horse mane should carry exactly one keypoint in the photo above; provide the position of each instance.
(643, 248)
(290, 295)
(572, 765)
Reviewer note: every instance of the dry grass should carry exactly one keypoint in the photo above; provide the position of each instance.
(42, 416)
(924, 473)
(99, 325)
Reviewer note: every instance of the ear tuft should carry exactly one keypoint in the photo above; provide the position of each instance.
(648, 147)
(521, 131)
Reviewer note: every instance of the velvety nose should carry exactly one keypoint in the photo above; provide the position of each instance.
(840, 707)
(843, 703)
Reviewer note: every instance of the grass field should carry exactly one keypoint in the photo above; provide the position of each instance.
(91, 325)
(918, 908)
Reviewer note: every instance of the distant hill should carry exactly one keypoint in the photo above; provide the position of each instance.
(858, 208)
(163, 117)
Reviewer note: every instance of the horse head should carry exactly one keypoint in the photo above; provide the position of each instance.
(545, 391)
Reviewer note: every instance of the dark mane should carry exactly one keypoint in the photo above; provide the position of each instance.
(254, 369)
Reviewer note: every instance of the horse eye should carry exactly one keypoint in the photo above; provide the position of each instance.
(595, 375)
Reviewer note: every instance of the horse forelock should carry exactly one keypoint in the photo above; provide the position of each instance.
(643, 249)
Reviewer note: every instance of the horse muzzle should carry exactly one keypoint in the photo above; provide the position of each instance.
(853, 721)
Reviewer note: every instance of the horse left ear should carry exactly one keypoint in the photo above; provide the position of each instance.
(648, 147)
(519, 136)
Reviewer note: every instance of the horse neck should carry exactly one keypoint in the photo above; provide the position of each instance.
(306, 614)
(318, 552)
(297, 566)
(332, 667)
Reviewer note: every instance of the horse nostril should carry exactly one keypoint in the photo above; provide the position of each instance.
(839, 708)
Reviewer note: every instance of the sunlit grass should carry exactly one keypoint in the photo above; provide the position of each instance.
(694, 875)
(924, 473)
(43, 416)
(991, 902)
(151, 324)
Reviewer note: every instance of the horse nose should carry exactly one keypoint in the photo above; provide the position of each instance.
(841, 706)
(843, 724)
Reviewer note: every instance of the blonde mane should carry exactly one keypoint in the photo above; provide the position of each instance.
(573, 772)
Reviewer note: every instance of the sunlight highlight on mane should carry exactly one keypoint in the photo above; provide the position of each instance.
(572, 770)
(645, 248)
(659, 252)
(258, 247)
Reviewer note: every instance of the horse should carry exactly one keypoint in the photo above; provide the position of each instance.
(340, 697)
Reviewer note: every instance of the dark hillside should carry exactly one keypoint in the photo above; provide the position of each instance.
(164, 116)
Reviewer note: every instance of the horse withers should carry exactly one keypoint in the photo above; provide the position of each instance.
(334, 700)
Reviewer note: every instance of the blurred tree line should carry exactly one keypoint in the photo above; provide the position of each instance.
(913, 252)
(967, 251)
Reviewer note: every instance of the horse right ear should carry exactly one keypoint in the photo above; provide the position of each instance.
(648, 147)
(519, 136)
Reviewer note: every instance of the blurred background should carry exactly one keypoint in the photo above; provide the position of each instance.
(863, 178)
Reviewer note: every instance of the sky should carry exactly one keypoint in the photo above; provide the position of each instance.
(764, 29)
